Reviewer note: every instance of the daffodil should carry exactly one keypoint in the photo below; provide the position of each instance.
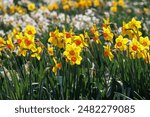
(134, 46)
(43, 8)
(68, 36)
(72, 53)
(147, 57)
(108, 53)
(108, 35)
(106, 23)
(28, 42)
(131, 29)
(121, 3)
(145, 42)
(22, 52)
(136, 49)
(66, 7)
(53, 6)
(57, 39)
(53, 37)
(97, 3)
(19, 38)
(114, 6)
(9, 43)
(15, 32)
(31, 7)
(20, 10)
(36, 52)
(95, 34)
(30, 30)
(121, 43)
(79, 41)
(50, 51)
(12, 9)
(2, 44)
(57, 66)
(134, 24)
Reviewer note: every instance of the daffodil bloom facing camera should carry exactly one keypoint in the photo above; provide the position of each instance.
(121, 43)
(145, 42)
(72, 54)
(79, 41)
(136, 49)
(31, 6)
(28, 42)
(57, 39)
(30, 30)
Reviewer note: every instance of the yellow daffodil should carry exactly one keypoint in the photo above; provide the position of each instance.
(66, 7)
(12, 9)
(106, 23)
(114, 6)
(57, 66)
(36, 52)
(108, 35)
(9, 44)
(121, 43)
(2, 42)
(131, 29)
(50, 51)
(57, 39)
(108, 53)
(19, 38)
(136, 49)
(68, 36)
(97, 3)
(134, 24)
(53, 37)
(53, 6)
(22, 52)
(79, 41)
(95, 34)
(28, 42)
(121, 3)
(147, 57)
(30, 30)
(31, 7)
(145, 42)
(72, 53)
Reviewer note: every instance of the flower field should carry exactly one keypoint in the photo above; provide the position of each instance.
(74, 49)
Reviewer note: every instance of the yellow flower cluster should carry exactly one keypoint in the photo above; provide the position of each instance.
(115, 4)
(70, 4)
(64, 4)
(107, 33)
(130, 40)
(72, 44)
(139, 45)
(95, 34)
(12, 9)
(22, 42)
